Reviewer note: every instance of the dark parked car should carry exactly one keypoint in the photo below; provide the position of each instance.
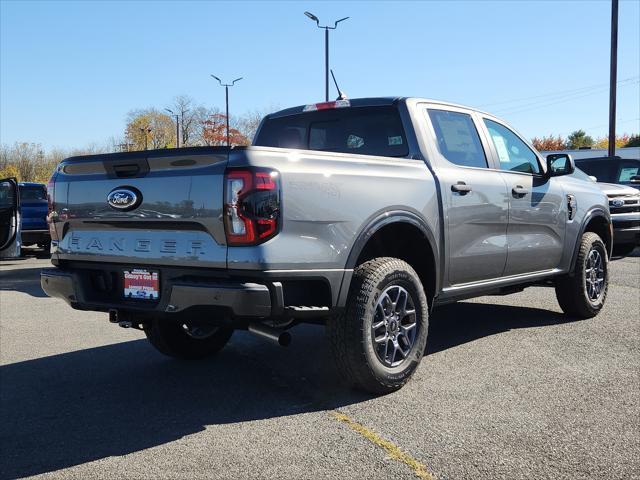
(619, 179)
(621, 171)
(33, 214)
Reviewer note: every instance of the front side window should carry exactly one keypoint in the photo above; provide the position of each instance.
(512, 152)
(7, 194)
(458, 139)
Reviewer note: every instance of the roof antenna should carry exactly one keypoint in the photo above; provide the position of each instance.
(341, 95)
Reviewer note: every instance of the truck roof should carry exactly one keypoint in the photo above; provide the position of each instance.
(372, 102)
(31, 184)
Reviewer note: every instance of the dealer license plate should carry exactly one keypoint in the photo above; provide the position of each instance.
(141, 284)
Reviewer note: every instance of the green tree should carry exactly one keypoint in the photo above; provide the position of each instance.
(634, 141)
(579, 139)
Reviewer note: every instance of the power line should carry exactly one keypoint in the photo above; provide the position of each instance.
(561, 93)
(555, 101)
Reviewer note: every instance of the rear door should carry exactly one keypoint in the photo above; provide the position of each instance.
(9, 218)
(537, 205)
(476, 208)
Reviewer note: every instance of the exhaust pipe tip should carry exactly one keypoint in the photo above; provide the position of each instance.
(284, 340)
(281, 337)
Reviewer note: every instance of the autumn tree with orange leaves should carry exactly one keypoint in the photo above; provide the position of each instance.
(214, 132)
(548, 143)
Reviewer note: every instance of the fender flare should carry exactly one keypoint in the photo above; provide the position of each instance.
(373, 225)
(590, 215)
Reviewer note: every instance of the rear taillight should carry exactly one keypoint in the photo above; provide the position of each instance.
(51, 185)
(251, 205)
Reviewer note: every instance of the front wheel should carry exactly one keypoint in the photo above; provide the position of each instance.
(583, 293)
(379, 340)
(187, 340)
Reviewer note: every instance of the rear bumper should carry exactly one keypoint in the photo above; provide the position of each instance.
(34, 236)
(238, 299)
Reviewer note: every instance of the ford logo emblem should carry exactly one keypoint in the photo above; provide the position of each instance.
(617, 202)
(124, 198)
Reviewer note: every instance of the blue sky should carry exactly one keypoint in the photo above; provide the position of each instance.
(70, 71)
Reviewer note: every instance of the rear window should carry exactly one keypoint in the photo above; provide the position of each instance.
(32, 192)
(361, 130)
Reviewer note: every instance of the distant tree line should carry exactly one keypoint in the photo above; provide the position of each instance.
(147, 128)
(579, 139)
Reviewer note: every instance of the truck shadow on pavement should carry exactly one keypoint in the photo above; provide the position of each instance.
(77, 407)
(25, 280)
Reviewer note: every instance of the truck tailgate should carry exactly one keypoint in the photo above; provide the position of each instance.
(175, 219)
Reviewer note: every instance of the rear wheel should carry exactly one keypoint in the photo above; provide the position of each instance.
(583, 293)
(380, 339)
(187, 340)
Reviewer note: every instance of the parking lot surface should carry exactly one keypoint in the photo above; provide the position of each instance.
(508, 389)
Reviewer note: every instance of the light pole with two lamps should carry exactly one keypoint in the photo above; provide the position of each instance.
(226, 100)
(326, 49)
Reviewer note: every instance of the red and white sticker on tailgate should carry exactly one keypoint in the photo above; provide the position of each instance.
(141, 284)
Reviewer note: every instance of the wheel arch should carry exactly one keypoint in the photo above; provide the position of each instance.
(598, 221)
(377, 239)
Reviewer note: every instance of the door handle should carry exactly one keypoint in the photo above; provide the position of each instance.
(461, 188)
(519, 191)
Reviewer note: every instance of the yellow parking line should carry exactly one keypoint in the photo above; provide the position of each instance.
(394, 452)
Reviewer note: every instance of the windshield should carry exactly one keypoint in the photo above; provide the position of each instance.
(360, 130)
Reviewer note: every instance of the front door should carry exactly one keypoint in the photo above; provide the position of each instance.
(476, 201)
(9, 218)
(537, 209)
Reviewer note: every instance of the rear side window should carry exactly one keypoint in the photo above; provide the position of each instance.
(458, 139)
(32, 192)
(361, 130)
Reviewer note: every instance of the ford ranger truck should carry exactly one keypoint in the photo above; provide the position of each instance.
(363, 215)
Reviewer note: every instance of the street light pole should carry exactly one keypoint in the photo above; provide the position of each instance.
(613, 78)
(226, 101)
(145, 132)
(326, 48)
(177, 126)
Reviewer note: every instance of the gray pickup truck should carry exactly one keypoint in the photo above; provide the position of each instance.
(362, 215)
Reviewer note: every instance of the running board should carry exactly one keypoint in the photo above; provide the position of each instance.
(306, 312)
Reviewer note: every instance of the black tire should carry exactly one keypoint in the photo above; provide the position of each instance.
(170, 338)
(357, 355)
(571, 290)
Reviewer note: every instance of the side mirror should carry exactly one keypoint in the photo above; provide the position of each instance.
(635, 179)
(560, 164)
(593, 179)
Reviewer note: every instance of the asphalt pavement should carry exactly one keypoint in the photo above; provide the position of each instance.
(508, 389)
